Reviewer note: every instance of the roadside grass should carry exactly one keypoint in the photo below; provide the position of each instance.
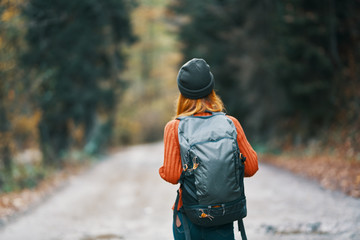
(329, 168)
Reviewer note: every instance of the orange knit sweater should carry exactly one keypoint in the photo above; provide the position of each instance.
(171, 169)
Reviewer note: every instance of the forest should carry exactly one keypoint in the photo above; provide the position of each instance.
(80, 78)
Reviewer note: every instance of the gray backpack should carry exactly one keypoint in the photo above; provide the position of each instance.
(213, 171)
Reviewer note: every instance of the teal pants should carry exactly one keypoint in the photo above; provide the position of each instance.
(224, 232)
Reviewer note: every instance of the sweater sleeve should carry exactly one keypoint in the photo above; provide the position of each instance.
(171, 169)
(251, 163)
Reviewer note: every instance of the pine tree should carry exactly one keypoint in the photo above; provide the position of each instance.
(213, 31)
(283, 67)
(75, 58)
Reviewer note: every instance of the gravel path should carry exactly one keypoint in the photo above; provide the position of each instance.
(123, 197)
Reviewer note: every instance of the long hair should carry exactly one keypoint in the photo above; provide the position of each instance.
(188, 107)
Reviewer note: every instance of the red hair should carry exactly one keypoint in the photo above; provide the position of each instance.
(188, 107)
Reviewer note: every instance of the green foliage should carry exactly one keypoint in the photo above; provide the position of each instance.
(214, 31)
(281, 67)
(11, 44)
(75, 57)
(21, 177)
(305, 72)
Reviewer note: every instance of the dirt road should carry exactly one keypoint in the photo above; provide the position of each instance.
(123, 197)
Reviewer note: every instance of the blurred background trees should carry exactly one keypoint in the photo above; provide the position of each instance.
(82, 76)
(152, 66)
(285, 68)
(61, 62)
(74, 56)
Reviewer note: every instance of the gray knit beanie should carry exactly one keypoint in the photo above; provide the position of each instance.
(195, 79)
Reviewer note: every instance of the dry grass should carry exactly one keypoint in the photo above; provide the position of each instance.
(331, 171)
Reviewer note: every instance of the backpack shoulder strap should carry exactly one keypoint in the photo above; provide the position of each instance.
(242, 229)
(184, 220)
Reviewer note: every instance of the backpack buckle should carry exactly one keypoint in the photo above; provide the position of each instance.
(205, 215)
(195, 164)
(242, 157)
